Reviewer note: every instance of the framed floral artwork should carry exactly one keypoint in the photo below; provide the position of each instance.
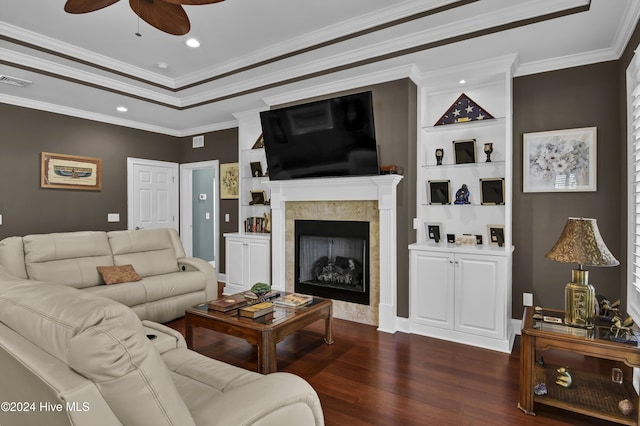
(229, 181)
(560, 160)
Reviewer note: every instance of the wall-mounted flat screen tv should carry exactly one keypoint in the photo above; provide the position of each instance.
(334, 137)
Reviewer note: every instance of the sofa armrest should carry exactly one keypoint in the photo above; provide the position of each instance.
(210, 273)
(275, 399)
(167, 338)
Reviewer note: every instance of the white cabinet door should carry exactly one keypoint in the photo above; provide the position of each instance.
(259, 262)
(480, 283)
(236, 266)
(432, 298)
(248, 261)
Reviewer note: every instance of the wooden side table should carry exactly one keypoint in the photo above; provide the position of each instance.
(591, 393)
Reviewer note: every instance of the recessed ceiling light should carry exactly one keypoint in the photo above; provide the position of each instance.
(462, 81)
(192, 42)
(122, 108)
(163, 65)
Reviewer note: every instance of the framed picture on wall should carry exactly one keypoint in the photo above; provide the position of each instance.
(560, 160)
(229, 181)
(64, 171)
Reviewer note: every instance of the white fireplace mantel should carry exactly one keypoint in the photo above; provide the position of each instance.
(381, 188)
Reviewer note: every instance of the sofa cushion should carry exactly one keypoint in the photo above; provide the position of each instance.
(150, 251)
(68, 258)
(168, 285)
(12, 256)
(100, 339)
(130, 294)
(118, 274)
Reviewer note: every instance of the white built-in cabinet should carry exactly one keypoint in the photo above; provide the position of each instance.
(248, 253)
(462, 292)
(248, 261)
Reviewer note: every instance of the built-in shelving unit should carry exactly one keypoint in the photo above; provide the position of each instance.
(248, 251)
(462, 291)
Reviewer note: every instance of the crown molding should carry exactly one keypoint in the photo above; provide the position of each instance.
(377, 77)
(569, 61)
(83, 55)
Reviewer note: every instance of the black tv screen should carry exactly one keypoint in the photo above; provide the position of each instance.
(334, 137)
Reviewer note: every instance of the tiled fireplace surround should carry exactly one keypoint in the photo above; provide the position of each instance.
(369, 198)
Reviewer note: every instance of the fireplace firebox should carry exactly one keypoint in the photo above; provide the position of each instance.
(332, 259)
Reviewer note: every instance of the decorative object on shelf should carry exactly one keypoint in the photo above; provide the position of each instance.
(439, 156)
(478, 239)
(462, 195)
(259, 143)
(492, 191)
(466, 240)
(560, 161)
(616, 375)
(540, 389)
(496, 235)
(433, 232)
(464, 109)
(608, 309)
(391, 170)
(488, 149)
(256, 169)
(581, 243)
(229, 181)
(625, 406)
(451, 238)
(465, 151)
(621, 329)
(258, 198)
(64, 171)
(267, 222)
(564, 379)
(255, 224)
(440, 191)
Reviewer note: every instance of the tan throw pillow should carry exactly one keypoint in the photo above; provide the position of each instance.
(118, 274)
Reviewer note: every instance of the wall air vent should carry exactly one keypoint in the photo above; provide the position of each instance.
(14, 81)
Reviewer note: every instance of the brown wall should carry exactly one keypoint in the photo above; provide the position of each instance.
(577, 97)
(28, 209)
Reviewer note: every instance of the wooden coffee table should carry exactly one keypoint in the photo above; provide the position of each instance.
(264, 332)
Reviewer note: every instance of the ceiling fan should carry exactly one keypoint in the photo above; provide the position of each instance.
(166, 15)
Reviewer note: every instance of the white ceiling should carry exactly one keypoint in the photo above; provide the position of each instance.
(256, 52)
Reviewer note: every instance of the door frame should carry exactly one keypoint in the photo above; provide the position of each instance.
(186, 200)
(131, 162)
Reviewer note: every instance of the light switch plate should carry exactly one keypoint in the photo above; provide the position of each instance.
(0, 219)
(113, 217)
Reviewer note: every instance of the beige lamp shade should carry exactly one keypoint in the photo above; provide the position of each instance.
(581, 243)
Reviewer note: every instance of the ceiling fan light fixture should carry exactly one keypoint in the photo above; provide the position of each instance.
(192, 42)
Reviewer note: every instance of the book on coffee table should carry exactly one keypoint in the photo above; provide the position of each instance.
(228, 303)
(257, 310)
(294, 300)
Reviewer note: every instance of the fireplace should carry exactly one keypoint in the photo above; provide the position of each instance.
(332, 259)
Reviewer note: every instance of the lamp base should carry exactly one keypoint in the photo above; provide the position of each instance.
(580, 297)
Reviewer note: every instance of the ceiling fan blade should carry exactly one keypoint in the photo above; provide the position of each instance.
(86, 6)
(170, 18)
(192, 2)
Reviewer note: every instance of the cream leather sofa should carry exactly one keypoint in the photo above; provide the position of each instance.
(70, 357)
(170, 281)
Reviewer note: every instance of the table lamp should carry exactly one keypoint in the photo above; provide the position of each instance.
(581, 243)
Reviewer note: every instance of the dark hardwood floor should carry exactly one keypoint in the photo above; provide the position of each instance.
(372, 378)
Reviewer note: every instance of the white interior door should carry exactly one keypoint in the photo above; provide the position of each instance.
(152, 194)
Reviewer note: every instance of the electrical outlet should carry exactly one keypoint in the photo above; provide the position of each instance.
(226, 217)
(0, 219)
(527, 299)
